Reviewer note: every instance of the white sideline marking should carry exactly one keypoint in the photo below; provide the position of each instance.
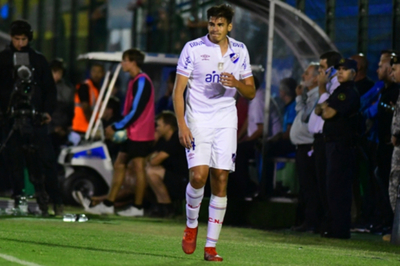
(16, 260)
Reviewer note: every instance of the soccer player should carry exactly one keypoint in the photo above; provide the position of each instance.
(214, 68)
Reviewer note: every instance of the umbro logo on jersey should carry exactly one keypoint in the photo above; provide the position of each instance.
(205, 57)
(193, 44)
(234, 57)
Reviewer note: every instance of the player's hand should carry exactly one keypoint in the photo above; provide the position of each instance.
(185, 137)
(109, 132)
(228, 80)
(46, 118)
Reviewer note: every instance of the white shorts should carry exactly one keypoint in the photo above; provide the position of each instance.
(215, 147)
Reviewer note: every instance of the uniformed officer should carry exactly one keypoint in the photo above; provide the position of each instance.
(394, 178)
(340, 112)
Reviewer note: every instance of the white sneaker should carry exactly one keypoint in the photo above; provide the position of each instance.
(131, 211)
(85, 202)
(101, 209)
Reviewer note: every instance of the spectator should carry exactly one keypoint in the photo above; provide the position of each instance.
(309, 200)
(167, 170)
(394, 179)
(243, 186)
(85, 98)
(63, 114)
(165, 102)
(279, 144)
(362, 82)
(327, 83)
(340, 130)
(388, 97)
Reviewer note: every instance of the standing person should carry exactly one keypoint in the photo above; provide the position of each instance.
(30, 145)
(340, 112)
(327, 83)
(138, 120)
(362, 82)
(394, 179)
(214, 67)
(303, 139)
(86, 95)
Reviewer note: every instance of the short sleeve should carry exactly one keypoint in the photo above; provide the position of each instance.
(245, 68)
(343, 102)
(186, 61)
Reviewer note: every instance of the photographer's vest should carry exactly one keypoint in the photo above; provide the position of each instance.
(79, 123)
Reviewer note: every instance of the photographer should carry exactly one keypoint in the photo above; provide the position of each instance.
(26, 103)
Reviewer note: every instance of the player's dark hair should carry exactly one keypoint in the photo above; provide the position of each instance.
(221, 11)
(21, 27)
(168, 118)
(134, 55)
(332, 58)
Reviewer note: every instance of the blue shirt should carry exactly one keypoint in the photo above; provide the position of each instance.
(290, 115)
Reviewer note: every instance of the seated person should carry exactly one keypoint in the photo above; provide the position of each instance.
(167, 170)
(165, 102)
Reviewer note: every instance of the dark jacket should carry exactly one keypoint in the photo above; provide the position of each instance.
(44, 96)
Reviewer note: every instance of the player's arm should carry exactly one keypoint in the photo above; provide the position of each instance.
(157, 158)
(185, 136)
(245, 86)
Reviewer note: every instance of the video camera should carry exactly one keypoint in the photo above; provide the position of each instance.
(20, 107)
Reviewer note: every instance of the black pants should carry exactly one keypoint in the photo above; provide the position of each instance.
(34, 150)
(320, 172)
(340, 171)
(309, 196)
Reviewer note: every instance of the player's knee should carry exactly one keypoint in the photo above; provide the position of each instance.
(197, 180)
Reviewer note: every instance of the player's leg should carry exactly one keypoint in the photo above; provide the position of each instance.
(223, 157)
(194, 195)
(155, 176)
(107, 205)
(198, 158)
(216, 212)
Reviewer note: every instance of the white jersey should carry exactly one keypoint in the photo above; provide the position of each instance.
(208, 102)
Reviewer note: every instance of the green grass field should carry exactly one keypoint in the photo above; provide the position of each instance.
(114, 240)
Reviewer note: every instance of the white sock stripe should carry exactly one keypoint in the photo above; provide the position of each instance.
(193, 219)
(194, 197)
(213, 240)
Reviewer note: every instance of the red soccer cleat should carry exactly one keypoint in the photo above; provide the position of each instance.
(189, 240)
(210, 254)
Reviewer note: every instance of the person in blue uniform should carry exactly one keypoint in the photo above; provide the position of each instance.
(340, 112)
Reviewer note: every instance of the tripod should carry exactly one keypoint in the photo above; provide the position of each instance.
(25, 150)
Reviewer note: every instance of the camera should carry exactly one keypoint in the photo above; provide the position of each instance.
(20, 107)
